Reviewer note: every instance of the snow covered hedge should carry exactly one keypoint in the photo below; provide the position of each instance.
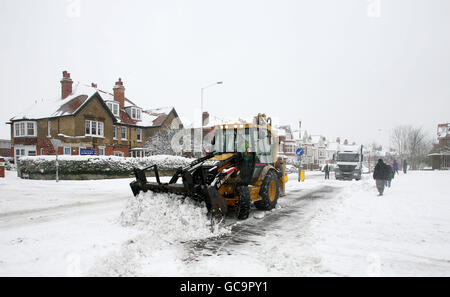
(107, 166)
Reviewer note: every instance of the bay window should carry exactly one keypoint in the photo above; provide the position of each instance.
(25, 129)
(93, 128)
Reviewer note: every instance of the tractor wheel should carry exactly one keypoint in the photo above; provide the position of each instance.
(270, 191)
(243, 209)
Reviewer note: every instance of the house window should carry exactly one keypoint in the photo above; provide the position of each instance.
(30, 128)
(135, 113)
(42, 151)
(114, 131)
(118, 154)
(93, 128)
(23, 129)
(124, 131)
(100, 128)
(139, 134)
(49, 127)
(114, 107)
(88, 127)
(67, 151)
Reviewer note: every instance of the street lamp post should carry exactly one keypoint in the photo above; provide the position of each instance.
(201, 110)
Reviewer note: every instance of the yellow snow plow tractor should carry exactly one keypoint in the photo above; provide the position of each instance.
(242, 168)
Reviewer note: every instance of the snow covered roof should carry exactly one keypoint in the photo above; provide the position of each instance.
(316, 139)
(58, 107)
(81, 94)
(155, 117)
(333, 146)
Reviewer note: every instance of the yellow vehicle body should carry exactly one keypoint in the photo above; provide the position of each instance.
(278, 165)
(242, 167)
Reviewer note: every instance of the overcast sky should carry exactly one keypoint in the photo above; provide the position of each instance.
(349, 68)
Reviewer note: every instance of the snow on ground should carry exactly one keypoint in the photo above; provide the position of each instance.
(320, 228)
(406, 232)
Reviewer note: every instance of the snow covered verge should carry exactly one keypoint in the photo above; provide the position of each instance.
(103, 166)
(406, 232)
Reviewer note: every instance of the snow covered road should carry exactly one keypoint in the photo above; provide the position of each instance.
(321, 227)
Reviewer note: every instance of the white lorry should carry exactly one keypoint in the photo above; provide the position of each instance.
(348, 162)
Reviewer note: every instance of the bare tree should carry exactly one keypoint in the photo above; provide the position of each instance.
(411, 144)
(399, 140)
(160, 143)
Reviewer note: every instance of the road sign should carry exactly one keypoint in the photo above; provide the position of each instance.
(300, 152)
(88, 152)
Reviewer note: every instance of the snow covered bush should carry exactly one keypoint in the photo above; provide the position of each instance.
(97, 165)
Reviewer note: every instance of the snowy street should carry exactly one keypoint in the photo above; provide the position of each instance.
(321, 228)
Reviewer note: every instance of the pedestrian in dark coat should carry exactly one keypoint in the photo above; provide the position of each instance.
(396, 166)
(405, 166)
(380, 175)
(390, 175)
(327, 170)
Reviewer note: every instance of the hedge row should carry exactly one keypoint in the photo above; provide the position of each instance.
(97, 165)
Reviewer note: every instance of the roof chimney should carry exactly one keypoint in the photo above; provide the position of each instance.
(94, 85)
(66, 85)
(119, 93)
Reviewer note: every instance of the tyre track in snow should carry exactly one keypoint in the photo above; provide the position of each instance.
(250, 232)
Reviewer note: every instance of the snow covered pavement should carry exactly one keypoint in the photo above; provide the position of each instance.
(320, 228)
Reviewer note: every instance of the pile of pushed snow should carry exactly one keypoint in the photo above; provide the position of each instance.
(163, 223)
(169, 217)
(105, 165)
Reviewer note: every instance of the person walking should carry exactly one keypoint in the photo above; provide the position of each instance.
(405, 166)
(389, 175)
(395, 166)
(380, 176)
(327, 170)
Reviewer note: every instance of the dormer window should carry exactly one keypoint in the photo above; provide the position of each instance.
(135, 113)
(114, 107)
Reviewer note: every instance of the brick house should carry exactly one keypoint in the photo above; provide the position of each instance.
(440, 154)
(288, 145)
(86, 120)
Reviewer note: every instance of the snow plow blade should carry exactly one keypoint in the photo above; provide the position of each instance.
(198, 191)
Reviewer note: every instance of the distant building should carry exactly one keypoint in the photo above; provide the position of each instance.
(288, 145)
(440, 154)
(315, 151)
(5, 148)
(87, 120)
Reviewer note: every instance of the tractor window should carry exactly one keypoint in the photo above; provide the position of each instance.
(263, 148)
(230, 140)
(243, 142)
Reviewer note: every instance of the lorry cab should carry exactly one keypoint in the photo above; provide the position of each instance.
(348, 164)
